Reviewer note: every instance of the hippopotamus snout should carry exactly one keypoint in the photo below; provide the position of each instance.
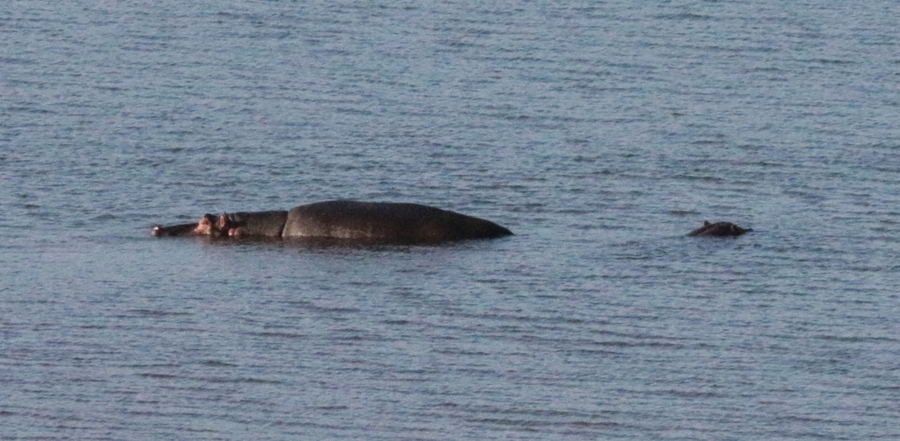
(174, 230)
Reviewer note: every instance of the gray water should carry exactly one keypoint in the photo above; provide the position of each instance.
(599, 132)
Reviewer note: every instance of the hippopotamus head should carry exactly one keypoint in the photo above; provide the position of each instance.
(251, 224)
(719, 229)
(210, 225)
(226, 225)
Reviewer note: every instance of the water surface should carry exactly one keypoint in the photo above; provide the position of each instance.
(600, 133)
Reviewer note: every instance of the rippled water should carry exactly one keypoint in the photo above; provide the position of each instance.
(600, 133)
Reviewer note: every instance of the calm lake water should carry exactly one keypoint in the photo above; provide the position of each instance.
(599, 132)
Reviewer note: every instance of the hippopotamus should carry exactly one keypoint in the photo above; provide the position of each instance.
(719, 229)
(380, 222)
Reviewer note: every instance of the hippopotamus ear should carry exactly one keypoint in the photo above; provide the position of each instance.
(222, 223)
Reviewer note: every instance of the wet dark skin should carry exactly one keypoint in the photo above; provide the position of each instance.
(382, 222)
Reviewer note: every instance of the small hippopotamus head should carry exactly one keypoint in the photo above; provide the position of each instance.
(719, 229)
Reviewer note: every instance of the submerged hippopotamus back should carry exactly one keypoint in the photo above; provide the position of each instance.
(386, 222)
(719, 229)
(399, 222)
